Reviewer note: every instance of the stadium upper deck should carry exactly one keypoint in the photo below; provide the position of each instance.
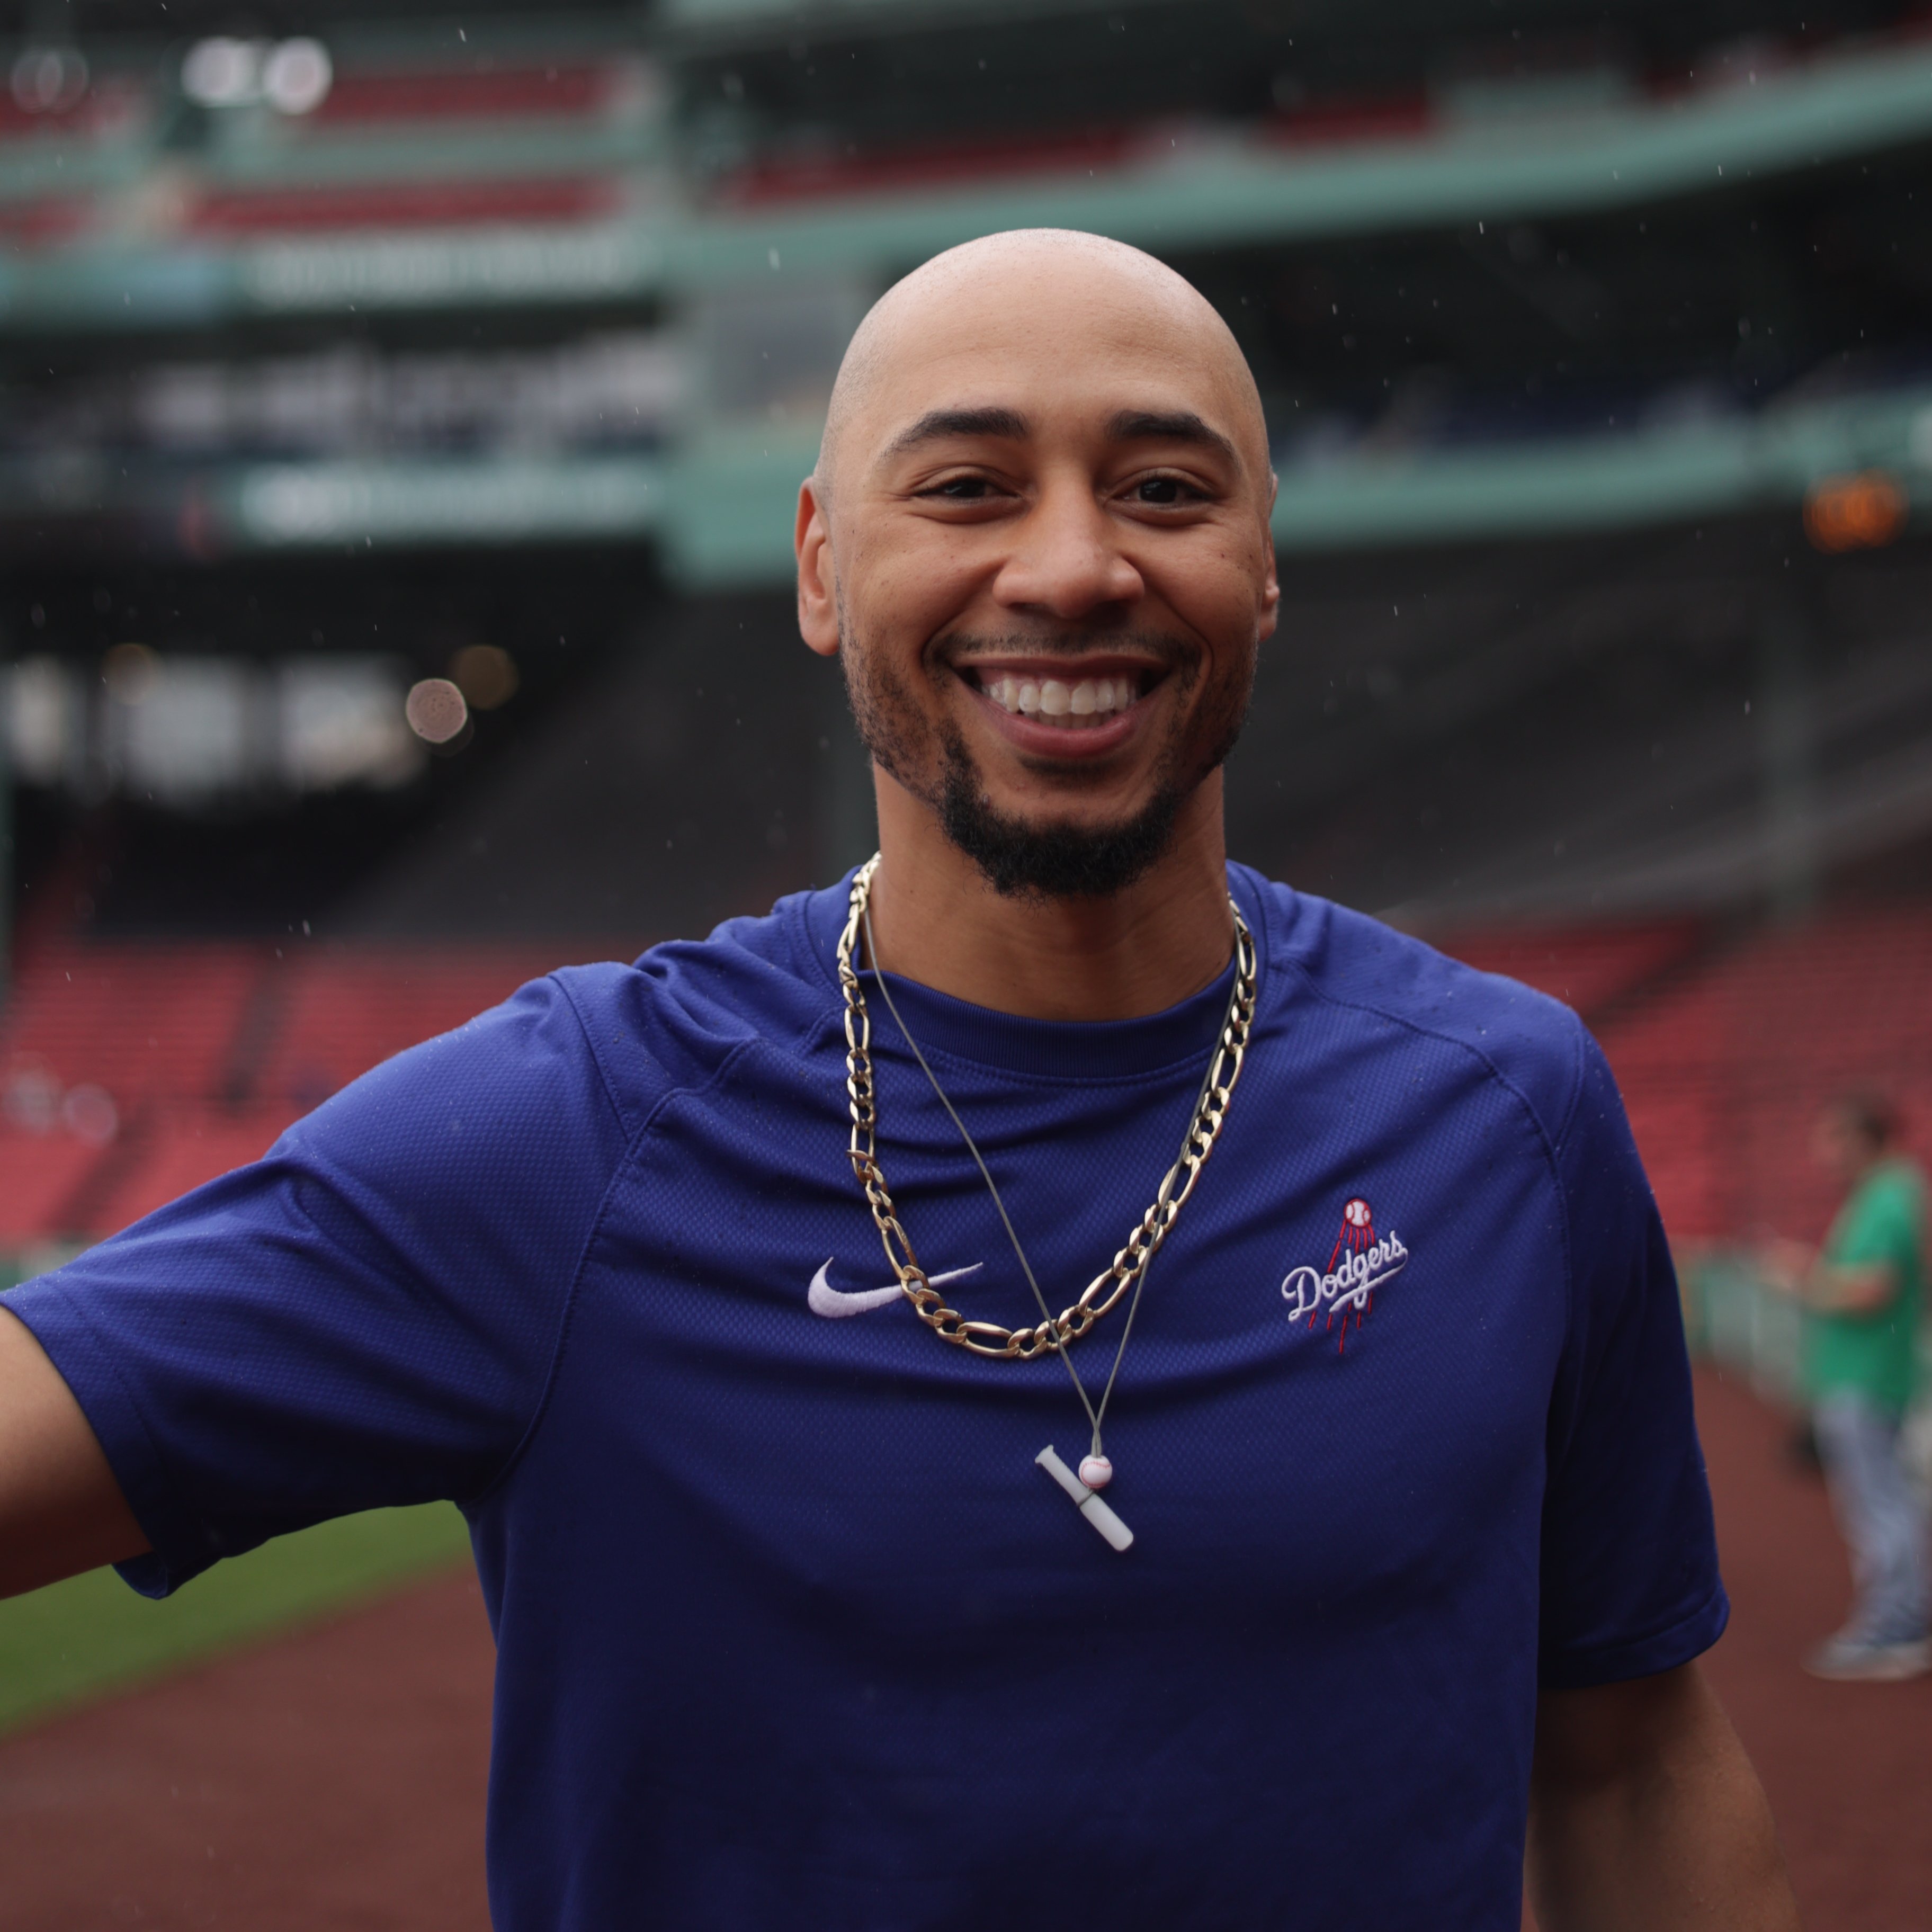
(1673, 267)
(362, 347)
(336, 351)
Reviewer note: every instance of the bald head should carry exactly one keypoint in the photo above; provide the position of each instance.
(1095, 298)
(1051, 484)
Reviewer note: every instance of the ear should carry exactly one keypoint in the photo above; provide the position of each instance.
(1269, 614)
(818, 586)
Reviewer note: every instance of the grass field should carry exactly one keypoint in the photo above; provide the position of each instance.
(90, 1635)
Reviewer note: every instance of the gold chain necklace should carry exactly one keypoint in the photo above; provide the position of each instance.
(1105, 1292)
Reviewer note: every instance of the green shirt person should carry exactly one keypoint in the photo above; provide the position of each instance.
(1862, 1294)
(1878, 1238)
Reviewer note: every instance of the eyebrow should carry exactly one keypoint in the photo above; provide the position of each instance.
(936, 424)
(1125, 426)
(1169, 426)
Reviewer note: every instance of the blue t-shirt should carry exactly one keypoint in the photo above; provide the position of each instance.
(793, 1632)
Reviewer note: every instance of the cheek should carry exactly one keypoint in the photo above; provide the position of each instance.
(904, 573)
(1225, 615)
(1218, 589)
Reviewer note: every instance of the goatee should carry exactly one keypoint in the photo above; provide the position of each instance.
(1026, 860)
(1041, 859)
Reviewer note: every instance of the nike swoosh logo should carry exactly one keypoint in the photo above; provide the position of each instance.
(822, 1298)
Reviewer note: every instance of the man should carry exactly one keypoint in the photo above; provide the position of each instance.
(803, 1619)
(1862, 1292)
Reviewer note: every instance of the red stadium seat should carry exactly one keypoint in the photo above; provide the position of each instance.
(346, 1011)
(1725, 1061)
(1724, 1055)
(206, 1052)
(39, 1175)
(190, 1149)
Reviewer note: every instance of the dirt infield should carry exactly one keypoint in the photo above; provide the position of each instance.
(334, 1781)
(1848, 1766)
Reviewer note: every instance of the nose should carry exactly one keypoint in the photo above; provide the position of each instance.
(1066, 561)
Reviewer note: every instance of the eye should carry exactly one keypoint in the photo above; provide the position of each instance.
(960, 490)
(1165, 492)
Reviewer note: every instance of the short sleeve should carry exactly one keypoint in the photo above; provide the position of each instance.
(1630, 1579)
(1881, 1225)
(367, 1315)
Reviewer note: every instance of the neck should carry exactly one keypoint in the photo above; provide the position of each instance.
(936, 920)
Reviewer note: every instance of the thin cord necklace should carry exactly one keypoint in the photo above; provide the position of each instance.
(1126, 1275)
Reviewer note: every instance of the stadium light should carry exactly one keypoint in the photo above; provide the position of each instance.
(43, 713)
(223, 73)
(48, 80)
(292, 76)
(1863, 511)
(296, 76)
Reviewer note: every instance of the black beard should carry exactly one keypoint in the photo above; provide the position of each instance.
(1018, 858)
(1024, 860)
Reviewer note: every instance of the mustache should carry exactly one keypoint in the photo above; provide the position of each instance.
(1171, 652)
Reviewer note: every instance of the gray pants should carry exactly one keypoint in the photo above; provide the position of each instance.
(1877, 1516)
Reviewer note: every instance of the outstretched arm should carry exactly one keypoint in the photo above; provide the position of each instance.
(61, 1510)
(1837, 1287)
(1646, 1815)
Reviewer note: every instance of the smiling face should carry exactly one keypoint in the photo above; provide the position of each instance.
(1038, 538)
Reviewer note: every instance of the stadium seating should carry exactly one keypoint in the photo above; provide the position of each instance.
(151, 1023)
(344, 1011)
(1589, 967)
(192, 1147)
(131, 1074)
(1804, 1015)
(403, 205)
(40, 1174)
(366, 97)
(1725, 1046)
(1726, 1051)
(793, 176)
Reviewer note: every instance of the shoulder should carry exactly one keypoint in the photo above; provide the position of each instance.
(1532, 1044)
(587, 1053)
(1905, 1179)
(673, 1019)
(1895, 1192)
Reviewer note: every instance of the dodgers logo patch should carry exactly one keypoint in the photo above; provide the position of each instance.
(1358, 1264)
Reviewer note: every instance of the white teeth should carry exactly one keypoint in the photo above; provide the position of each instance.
(1050, 697)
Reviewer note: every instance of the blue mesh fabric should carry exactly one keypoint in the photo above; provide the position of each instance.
(793, 1632)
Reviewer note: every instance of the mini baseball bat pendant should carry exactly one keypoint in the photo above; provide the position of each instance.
(1085, 1500)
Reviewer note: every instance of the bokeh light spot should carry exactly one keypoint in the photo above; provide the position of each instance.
(129, 671)
(436, 710)
(486, 674)
(1863, 511)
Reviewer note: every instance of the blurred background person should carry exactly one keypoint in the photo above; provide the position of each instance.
(1863, 1293)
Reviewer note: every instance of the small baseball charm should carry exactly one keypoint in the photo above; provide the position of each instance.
(1117, 1534)
(1096, 1471)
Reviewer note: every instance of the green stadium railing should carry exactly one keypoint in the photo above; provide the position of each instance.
(719, 508)
(1732, 1318)
(1231, 189)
